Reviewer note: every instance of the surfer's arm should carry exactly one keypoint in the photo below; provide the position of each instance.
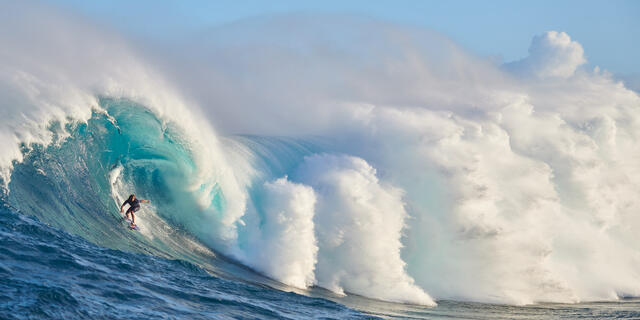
(145, 200)
(122, 206)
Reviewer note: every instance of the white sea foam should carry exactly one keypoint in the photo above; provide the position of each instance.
(359, 226)
(284, 247)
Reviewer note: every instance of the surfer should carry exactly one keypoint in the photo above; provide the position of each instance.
(134, 205)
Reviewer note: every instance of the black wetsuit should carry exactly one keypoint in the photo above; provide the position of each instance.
(135, 204)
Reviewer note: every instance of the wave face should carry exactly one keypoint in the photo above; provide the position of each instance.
(397, 170)
(77, 184)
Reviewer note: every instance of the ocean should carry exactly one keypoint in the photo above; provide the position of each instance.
(47, 273)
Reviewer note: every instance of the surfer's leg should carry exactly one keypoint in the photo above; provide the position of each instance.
(133, 216)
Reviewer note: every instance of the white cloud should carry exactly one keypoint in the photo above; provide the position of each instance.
(551, 55)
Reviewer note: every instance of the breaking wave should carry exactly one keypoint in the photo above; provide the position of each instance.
(428, 174)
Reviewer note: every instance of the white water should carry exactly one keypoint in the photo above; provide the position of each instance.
(448, 176)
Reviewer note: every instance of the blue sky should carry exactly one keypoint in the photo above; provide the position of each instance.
(608, 30)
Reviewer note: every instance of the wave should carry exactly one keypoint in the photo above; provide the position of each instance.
(79, 183)
(422, 175)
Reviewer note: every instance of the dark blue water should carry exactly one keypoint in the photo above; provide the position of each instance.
(46, 273)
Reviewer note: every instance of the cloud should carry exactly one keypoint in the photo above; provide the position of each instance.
(631, 81)
(551, 55)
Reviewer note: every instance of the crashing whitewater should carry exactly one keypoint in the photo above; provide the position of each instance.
(401, 168)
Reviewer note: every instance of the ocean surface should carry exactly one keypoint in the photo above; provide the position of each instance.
(47, 273)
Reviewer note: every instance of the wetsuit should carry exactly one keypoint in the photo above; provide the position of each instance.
(135, 204)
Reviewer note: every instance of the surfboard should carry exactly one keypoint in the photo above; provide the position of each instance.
(130, 226)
